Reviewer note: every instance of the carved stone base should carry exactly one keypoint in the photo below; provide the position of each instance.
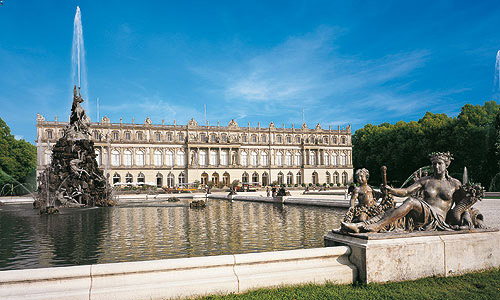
(382, 257)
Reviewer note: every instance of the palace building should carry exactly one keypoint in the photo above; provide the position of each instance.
(168, 155)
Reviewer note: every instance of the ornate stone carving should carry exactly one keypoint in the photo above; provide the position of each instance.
(147, 121)
(232, 124)
(192, 123)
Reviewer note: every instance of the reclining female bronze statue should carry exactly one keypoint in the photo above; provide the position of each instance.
(432, 212)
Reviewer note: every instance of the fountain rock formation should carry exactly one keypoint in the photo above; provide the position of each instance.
(73, 177)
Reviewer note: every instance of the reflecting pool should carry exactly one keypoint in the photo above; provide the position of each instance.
(150, 231)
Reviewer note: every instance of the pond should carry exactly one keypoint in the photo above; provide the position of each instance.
(148, 231)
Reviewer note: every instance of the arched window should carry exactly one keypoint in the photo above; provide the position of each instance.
(254, 138)
(312, 158)
(129, 178)
(116, 178)
(223, 158)
(159, 180)
(139, 136)
(244, 138)
(288, 158)
(224, 138)
(280, 178)
(336, 178)
(180, 136)
(244, 158)
(169, 158)
(141, 178)
(226, 179)
(265, 179)
(279, 158)
(215, 178)
(328, 178)
(342, 140)
(289, 178)
(342, 159)
(127, 135)
(115, 158)
(334, 159)
(204, 178)
(326, 159)
(244, 178)
(298, 178)
(181, 158)
(203, 158)
(254, 158)
(288, 139)
(139, 156)
(325, 140)
(98, 157)
(344, 178)
(334, 140)
(213, 158)
(255, 178)
(158, 158)
(315, 178)
(297, 139)
(264, 159)
(127, 158)
(182, 178)
(212, 138)
(170, 180)
(263, 138)
(115, 135)
(279, 139)
(298, 158)
(48, 157)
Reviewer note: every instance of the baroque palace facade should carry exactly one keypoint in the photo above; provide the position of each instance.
(168, 155)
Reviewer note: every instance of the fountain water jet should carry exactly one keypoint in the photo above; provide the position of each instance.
(78, 66)
(497, 72)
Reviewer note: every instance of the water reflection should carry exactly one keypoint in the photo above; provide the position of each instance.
(145, 232)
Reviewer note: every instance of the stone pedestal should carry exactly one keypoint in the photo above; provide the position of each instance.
(382, 257)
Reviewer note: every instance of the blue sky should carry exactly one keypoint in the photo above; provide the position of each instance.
(343, 62)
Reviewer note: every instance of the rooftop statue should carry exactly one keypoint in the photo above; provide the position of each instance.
(445, 204)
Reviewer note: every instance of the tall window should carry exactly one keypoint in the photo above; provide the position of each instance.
(98, 157)
(159, 180)
(158, 158)
(127, 136)
(326, 159)
(116, 178)
(254, 138)
(129, 178)
(264, 159)
(297, 139)
(342, 139)
(335, 178)
(224, 138)
(244, 158)
(170, 180)
(244, 138)
(127, 158)
(254, 158)
(264, 138)
(288, 139)
(288, 158)
(203, 158)
(280, 178)
(213, 158)
(181, 160)
(223, 158)
(344, 178)
(169, 158)
(325, 140)
(279, 139)
(342, 159)
(96, 135)
(49, 134)
(158, 136)
(115, 135)
(244, 178)
(182, 178)
(139, 156)
(212, 138)
(334, 159)
(312, 158)
(169, 137)
(328, 178)
(298, 158)
(48, 157)
(255, 178)
(141, 178)
(139, 136)
(202, 137)
(279, 158)
(298, 178)
(115, 158)
(181, 137)
(289, 178)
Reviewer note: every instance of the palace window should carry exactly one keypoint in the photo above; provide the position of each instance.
(49, 134)
(326, 159)
(169, 137)
(139, 136)
(98, 157)
(170, 180)
(279, 139)
(334, 159)
(213, 158)
(48, 157)
(280, 178)
(127, 158)
(289, 178)
(224, 138)
(158, 158)
(203, 158)
(328, 179)
(213, 138)
(115, 158)
(264, 138)
(139, 156)
(96, 135)
(264, 158)
(334, 140)
(254, 158)
(342, 140)
(335, 178)
(158, 136)
(159, 180)
(298, 178)
(181, 160)
(325, 140)
(181, 137)
(255, 178)
(279, 158)
(202, 137)
(141, 178)
(244, 138)
(342, 159)
(127, 136)
(129, 178)
(298, 158)
(169, 158)
(288, 158)
(244, 178)
(315, 178)
(115, 135)
(289, 139)
(254, 138)
(182, 178)
(244, 158)
(312, 158)
(344, 178)
(297, 139)
(116, 178)
(223, 158)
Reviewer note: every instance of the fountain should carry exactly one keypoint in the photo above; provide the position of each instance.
(497, 71)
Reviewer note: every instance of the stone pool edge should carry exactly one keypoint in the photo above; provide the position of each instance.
(181, 277)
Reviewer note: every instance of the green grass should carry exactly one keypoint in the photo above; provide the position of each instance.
(484, 285)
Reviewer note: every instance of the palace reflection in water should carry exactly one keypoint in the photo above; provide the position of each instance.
(154, 231)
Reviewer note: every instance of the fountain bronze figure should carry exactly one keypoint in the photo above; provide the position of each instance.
(73, 177)
(445, 204)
